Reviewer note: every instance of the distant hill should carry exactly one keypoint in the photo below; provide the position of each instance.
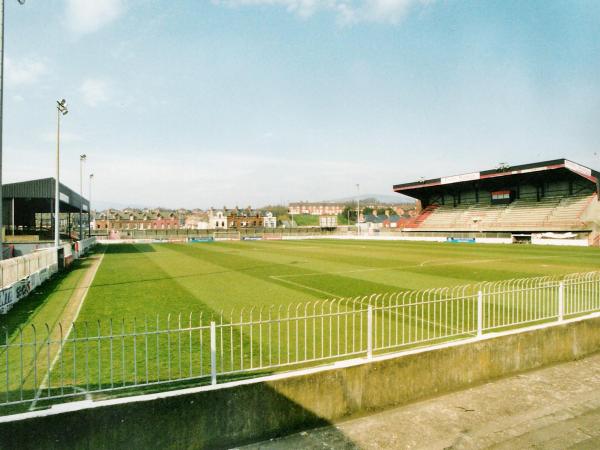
(100, 205)
(383, 198)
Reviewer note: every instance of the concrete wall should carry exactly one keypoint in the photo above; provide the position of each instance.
(561, 242)
(25, 248)
(232, 414)
(485, 240)
(365, 236)
(592, 212)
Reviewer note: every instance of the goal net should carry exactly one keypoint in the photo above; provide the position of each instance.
(226, 235)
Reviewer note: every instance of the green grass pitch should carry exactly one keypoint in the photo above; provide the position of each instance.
(158, 285)
(137, 280)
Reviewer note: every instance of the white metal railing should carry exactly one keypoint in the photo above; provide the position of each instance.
(41, 366)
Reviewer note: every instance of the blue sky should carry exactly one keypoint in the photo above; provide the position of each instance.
(200, 103)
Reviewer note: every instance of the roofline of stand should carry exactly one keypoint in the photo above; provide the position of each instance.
(554, 164)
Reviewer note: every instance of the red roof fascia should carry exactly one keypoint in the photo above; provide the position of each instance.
(519, 172)
(503, 174)
(417, 186)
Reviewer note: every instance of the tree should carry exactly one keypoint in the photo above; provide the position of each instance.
(277, 210)
(349, 211)
(367, 211)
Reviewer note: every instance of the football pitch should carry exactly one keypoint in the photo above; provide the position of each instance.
(138, 280)
(145, 318)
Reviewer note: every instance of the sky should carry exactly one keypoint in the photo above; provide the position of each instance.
(199, 103)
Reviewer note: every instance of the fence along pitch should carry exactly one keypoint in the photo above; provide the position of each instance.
(292, 332)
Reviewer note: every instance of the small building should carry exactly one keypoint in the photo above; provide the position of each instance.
(391, 221)
(375, 222)
(328, 221)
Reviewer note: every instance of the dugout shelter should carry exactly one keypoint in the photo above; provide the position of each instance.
(28, 210)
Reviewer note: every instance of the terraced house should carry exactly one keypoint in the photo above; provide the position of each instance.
(137, 220)
(249, 218)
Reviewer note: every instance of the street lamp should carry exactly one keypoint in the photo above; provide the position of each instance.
(90, 206)
(357, 208)
(82, 159)
(61, 110)
(291, 214)
(1, 110)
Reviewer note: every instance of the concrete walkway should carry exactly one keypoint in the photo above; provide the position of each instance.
(553, 408)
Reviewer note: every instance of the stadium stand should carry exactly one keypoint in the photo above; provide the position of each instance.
(550, 196)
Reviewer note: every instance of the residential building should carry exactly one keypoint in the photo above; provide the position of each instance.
(237, 218)
(316, 208)
(332, 208)
(130, 219)
(217, 219)
(269, 220)
(196, 221)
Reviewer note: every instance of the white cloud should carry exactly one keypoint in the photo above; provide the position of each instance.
(388, 10)
(24, 71)
(302, 7)
(346, 11)
(95, 91)
(87, 16)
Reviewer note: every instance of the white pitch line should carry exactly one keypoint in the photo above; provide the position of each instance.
(401, 314)
(372, 269)
(435, 324)
(375, 269)
(426, 262)
(431, 262)
(304, 286)
(55, 360)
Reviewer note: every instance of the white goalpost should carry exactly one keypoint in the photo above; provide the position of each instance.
(227, 235)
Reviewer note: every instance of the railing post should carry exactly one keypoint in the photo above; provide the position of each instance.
(213, 353)
(479, 314)
(369, 332)
(561, 301)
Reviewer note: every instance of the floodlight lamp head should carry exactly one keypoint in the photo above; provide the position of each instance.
(83, 157)
(62, 106)
(21, 2)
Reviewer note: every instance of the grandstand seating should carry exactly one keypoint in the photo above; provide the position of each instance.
(570, 207)
(550, 213)
(416, 222)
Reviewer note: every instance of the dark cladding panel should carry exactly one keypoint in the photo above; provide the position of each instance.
(44, 189)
